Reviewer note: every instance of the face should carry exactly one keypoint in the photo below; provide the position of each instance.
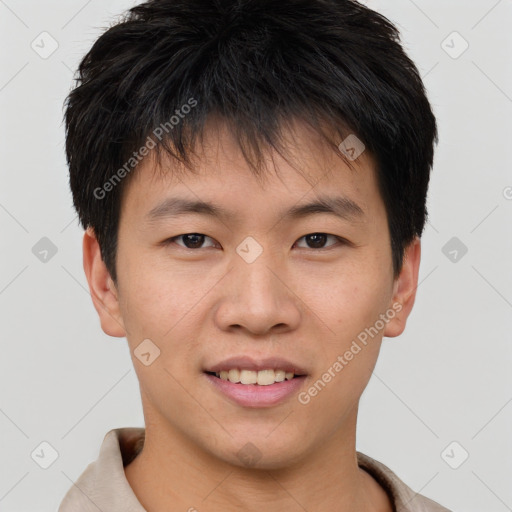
(272, 284)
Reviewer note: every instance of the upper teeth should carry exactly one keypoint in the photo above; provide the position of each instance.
(263, 377)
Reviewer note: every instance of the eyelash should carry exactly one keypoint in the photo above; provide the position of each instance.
(341, 241)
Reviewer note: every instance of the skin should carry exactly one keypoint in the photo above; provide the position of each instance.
(297, 300)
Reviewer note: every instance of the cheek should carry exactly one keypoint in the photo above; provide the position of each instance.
(350, 302)
(163, 305)
(350, 344)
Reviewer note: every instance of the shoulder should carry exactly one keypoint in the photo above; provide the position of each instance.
(403, 497)
(103, 484)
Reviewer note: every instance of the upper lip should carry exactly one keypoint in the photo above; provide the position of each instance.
(248, 363)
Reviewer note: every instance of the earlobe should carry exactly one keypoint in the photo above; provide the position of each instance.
(102, 288)
(404, 291)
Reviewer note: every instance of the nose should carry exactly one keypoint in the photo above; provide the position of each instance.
(259, 298)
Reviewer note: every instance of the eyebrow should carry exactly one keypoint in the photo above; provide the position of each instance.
(340, 206)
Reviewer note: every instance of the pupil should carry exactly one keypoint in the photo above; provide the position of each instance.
(198, 240)
(320, 239)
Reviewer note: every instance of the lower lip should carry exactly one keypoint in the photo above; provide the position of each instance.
(253, 395)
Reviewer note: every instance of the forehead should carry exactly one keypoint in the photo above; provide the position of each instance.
(307, 169)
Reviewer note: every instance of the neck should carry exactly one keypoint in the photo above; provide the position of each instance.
(173, 473)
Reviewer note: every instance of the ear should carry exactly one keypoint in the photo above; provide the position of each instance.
(103, 291)
(404, 289)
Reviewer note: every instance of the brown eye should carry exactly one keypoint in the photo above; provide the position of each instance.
(318, 240)
(190, 240)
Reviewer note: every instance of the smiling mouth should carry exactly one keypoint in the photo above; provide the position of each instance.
(257, 378)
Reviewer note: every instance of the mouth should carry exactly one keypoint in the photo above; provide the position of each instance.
(248, 382)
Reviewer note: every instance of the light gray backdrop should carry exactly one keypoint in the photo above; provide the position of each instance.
(438, 410)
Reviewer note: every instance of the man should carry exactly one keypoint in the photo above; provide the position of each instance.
(252, 178)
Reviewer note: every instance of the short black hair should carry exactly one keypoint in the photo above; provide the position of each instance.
(161, 70)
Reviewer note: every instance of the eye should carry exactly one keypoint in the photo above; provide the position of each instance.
(317, 240)
(190, 240)
(196, 240)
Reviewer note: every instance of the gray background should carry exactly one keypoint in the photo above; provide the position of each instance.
(439, 391)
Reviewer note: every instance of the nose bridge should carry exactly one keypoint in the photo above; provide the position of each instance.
(256, 269)
(258, 280)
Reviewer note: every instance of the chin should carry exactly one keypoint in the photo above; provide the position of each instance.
(261, 452)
